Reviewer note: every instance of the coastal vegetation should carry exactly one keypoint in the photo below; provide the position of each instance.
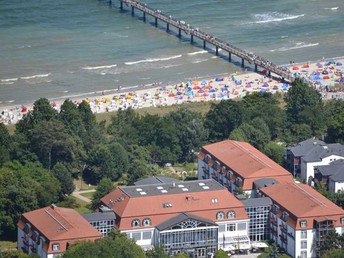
(48, 149)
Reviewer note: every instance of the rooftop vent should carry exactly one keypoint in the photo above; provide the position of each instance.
(143, 193)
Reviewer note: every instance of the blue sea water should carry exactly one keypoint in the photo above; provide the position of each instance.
(68, 47)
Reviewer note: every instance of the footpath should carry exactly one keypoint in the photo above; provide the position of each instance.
(77, 194)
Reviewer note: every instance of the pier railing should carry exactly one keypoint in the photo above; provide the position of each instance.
(258, 61)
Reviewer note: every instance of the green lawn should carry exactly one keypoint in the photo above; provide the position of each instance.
(4, 245)
(83, 206)
(88, 195)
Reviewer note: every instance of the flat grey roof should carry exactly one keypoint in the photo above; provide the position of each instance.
(172, 188)
(156, 180)
(264, 182)
(99, 216)
(255, 202)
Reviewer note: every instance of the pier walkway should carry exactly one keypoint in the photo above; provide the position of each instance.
(252, 59)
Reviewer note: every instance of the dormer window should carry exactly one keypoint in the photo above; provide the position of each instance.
(285, 216)
(223, 170)
(303, 223)
(238, 182)
(216, 165)
(275, 208)
(229, 174)
(56, 247)
(27, 228)
(220, 215)
(135, 223)
(146, 222)
(207, 158)
(231, 214)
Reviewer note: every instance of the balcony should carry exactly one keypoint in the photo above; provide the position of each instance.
(205, 170)
(213, 175)
(273, 221)
(290, 235)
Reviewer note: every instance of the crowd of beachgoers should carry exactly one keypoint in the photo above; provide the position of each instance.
(325, 76)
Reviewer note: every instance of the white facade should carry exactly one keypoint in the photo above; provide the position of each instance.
(144, 237)
(233, 235)
(334, 187)
(307, 168)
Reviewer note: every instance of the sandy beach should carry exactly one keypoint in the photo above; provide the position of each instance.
(326, 76)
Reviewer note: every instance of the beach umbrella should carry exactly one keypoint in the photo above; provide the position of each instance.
(319, 65)
(204, 82)
(196, 87)
(211, 90)
(295, 68)
(305, 66)
(326, 77)
(262, 90)
(171, 95)
(188, 83)
(325, 72)
(208, 86)
(339, 64)
(265, 84)
(296, 74)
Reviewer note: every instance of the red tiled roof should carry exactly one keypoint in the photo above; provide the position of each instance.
(246, 161)
(59, 224)
(197, 203)
(303, 202)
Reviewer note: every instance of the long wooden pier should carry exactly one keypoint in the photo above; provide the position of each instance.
(182, 26)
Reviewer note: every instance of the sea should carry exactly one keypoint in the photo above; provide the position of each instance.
(78, 48)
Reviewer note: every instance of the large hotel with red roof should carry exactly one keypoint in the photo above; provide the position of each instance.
(240, 199)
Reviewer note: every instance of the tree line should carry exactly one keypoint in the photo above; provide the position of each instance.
(49, 148)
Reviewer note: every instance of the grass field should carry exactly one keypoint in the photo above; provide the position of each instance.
(88, 195)
(83, 206)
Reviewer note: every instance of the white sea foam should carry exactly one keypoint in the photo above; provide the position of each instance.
(283, 37)
(153, 60)
(99, 67)
(169, 66)
(34, 76)
(274, 17)
(297, 46)
(9, 80)
(25, 46)
(332, 8)
(199, 61)
(197, 52)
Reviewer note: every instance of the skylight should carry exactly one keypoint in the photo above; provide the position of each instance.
(205, 187)
(143, 193)
(185, 189)
(201, 184)
(164, 191)
(139, 189)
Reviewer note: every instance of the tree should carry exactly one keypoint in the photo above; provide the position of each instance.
(71, 118)
(104, 187)
(157, 252)
(275, 152)
(181, 255)
(124, 126)
(304, 106)
(137, 169)
(5, 144)
(191, 132)
(223, 118)
(16, 254)
(42, 112)
(335, 113)
(221, 254)
(65, 178)
(333, 253)
(332, 241)
(107, 247)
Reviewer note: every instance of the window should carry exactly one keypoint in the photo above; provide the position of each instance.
(303, 223)
(303, 244)
(27, 228)
(56, 247)
(223, 170)
(231, 214)
(231, 227)
(342, 220)
(216, 165)
(241, 226)
(167, 205)
(147, 235)
(229, 174)
(275, 208)
(303, 234)
(303, 254)
(285, 216)
(238, 182)
(220, 215)
(222, 227)
(136, 236)
(135, 223)
(214, 200)
(146, 222)
(207, 158)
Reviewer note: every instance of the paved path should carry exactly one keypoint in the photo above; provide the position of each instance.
(77, 194)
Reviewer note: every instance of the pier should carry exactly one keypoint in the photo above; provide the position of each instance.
(207, 38)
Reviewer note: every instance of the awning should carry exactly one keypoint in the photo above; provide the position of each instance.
(259, 245)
